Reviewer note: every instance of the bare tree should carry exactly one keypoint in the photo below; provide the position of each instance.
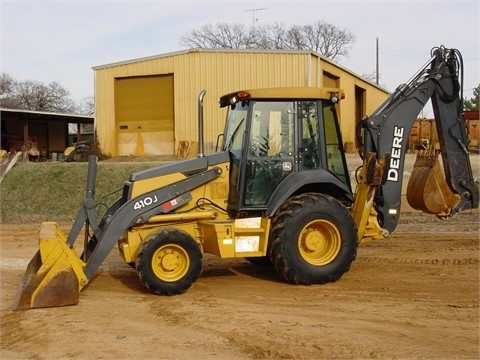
(7, 84)
(328, 40)
(222, 35)
(87, 106)
(34, 95)
(321, 37)
(271, 36)
(369, 77)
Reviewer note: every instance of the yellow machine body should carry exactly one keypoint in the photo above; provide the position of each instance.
(215, 232)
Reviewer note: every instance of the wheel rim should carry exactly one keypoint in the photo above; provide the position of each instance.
(319, 242)
(170, 262)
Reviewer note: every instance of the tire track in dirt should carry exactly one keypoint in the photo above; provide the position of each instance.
(422, 261)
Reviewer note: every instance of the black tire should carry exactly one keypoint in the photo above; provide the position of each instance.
(169, 262)
(313, 240)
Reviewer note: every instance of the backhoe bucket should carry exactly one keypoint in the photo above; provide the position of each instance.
(427, 188)
(54, 277)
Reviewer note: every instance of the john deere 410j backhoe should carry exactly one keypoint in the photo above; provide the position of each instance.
(278, 191)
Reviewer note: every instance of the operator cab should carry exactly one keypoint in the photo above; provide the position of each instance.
(282, 141)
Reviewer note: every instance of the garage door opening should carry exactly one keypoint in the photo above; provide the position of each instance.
(144, 115)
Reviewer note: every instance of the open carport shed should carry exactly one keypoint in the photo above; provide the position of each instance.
(49, 130)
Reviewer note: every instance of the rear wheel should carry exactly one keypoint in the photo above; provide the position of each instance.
(169, 262)
(313, 240)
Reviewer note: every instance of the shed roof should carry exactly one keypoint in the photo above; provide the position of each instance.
(42, 115)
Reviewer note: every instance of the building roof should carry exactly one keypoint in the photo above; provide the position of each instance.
(240, 51)
(201, 50)
(42, 115)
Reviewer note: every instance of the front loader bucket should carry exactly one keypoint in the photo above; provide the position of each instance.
(54, 277)
(427, 189)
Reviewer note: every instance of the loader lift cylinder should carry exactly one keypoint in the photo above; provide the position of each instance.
(86, 215)
(91, 176)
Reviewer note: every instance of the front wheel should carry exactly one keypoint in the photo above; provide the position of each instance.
(313, 240)
(169, 262)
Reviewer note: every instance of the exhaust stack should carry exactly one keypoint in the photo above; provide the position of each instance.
(200, 123)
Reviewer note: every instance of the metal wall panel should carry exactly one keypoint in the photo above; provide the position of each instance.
(219, 72)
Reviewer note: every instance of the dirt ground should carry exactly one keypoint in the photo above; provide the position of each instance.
(414, 295)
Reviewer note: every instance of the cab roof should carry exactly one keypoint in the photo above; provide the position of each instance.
(281, 93)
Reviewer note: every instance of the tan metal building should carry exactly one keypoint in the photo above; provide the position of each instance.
(149, 105)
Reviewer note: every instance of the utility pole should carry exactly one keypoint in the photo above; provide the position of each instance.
(254, 19)
(377, 76)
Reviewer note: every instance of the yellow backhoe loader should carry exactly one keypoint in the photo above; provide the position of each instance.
(278, 192)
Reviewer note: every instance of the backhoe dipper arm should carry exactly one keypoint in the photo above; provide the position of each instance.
(387, 130)
(454, 139)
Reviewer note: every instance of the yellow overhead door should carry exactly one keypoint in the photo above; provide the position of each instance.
(144, 115)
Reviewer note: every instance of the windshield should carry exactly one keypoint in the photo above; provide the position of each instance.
(235, 126)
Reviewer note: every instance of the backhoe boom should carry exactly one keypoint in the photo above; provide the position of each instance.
(387, 130)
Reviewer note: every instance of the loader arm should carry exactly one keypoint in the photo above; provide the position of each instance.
(387, 130)
(139, 209)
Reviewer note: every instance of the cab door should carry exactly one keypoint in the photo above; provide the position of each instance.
(270, 153)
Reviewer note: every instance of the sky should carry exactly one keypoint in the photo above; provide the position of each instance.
(61, 41)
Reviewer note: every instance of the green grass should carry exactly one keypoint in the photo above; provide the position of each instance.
(36, 192)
